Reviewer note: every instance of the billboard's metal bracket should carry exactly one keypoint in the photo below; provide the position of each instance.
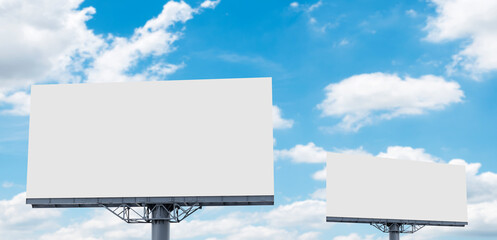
(174, 213)
(394, 229)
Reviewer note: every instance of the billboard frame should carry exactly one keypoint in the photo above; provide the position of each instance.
(171, 205)
(397, 221)
(141, 201)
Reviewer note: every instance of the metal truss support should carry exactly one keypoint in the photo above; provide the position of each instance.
(171, 213)
(394, 229)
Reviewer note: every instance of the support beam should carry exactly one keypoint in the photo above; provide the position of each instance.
(394, 231)
(160, 228)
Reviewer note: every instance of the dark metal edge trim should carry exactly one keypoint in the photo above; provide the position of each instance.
(139, 201)
(398, 221)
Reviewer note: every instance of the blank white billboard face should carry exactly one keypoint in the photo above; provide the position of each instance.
(151, 139)
(364, 188)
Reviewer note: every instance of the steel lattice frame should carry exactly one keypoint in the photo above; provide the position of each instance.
(176, 212)
(403, 228)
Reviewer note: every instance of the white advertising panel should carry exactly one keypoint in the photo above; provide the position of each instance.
(151, 139)
(363, 188)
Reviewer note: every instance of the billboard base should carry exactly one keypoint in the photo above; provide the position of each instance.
(393, 232)
(160, 228)
(159, 215)
(395, 229)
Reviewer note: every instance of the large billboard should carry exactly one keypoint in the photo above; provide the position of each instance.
(196, 140)
(370, 189)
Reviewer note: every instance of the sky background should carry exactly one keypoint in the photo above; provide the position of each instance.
(401, 79)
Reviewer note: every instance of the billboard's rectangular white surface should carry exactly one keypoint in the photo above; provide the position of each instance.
(363, 188)
(151, 139)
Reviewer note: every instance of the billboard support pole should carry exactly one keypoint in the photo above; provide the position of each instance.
(160, 228)
(394, 231)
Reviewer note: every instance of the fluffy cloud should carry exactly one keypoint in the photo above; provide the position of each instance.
(278, 121)
(409, 153)
(48, 41)
(355, 236)
(103, 225)
(309, 153)
(153, 39)
(298, 220)
(319, 194)
(292, 221)
(210, 4)
(474, 20)
(320, 175)
(308, 213)
(41, 37)
(20, 221)
(363, 99)
(20, 102)
(44, 41)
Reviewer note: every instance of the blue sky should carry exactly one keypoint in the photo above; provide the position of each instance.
(401, 79)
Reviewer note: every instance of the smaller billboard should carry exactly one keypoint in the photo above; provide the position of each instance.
(367, 189)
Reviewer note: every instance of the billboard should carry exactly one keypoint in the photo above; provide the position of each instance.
(207, 141)
(367, 189)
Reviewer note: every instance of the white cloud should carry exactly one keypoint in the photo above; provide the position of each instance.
(261, 232)
(355, 236)
(356, 151)
(42, 35)
(102, 225)
(278, 121)
(292, 221)
(315, 6)
(210, 4)
(48, 41)
(320, 175)
(309, 12)
(408, 153)
(309, 153)
(411, 13)
(7, 184)
(473, 20)
(44, 41)
(309, 236)
(19, 221)
(308, 213)
(319, 194)
(153, 39)
(20, 102)
(343, 42)
(363, 99)
(482, 218)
